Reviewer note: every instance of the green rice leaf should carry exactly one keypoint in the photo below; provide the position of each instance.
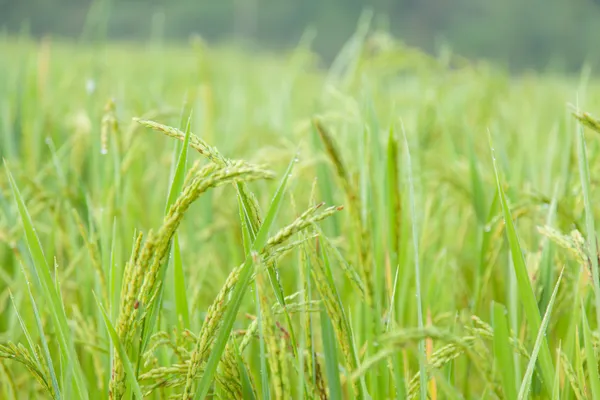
(503, 352)
(331, 358)
(179, 288)
(181, 303)
(525, 385)
(415, 235)
(590, 356)
(524, 288)
(247, 390)
(478, 195)
(592, 241)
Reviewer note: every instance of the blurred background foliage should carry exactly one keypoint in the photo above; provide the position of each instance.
(548, 35)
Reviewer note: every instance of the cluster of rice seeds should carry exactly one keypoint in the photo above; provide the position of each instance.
(574, 243)
(127, 308)
(109, 126)
(176, 343)
(195, 142)
(471, 345)
(305, 220)
(176, 375)
(571, 376)
(39, 370)
(483, 330)
(172, 376)
(228, 376)
(588, 120)
(88, 334)
(213, 155)
(141, 275)
(217, 309)
(438, 359)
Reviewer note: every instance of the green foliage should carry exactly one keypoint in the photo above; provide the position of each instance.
(425, 275)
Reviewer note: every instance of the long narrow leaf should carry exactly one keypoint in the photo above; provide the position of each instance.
(331, 359)
(503, 351)
(590, 356)
(525, 289)
(415, 234)
(181, 303)
(524, 390)
(247, 390)
(584, 173)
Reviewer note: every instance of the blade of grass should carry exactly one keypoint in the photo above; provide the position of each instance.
(247, 391)
(590, 228)
(325, 181)
(240, 288)
(578, 359)
(411, 196)
(590, 357)
(547, 273)
(503, 351)
(114, 337)
(179, 175)
(486, 245)
(181, 304)
(478, 195)
(526, 383)
(331, 359)
(556, 389)
(394, 210)
(524, 288)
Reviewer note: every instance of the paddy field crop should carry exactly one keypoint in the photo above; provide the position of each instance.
(193, 221)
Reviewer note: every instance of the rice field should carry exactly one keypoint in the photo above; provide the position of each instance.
(193, 221)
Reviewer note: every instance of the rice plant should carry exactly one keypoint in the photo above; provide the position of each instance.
(199, 222)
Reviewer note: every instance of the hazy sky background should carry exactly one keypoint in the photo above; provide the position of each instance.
(541, 34)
